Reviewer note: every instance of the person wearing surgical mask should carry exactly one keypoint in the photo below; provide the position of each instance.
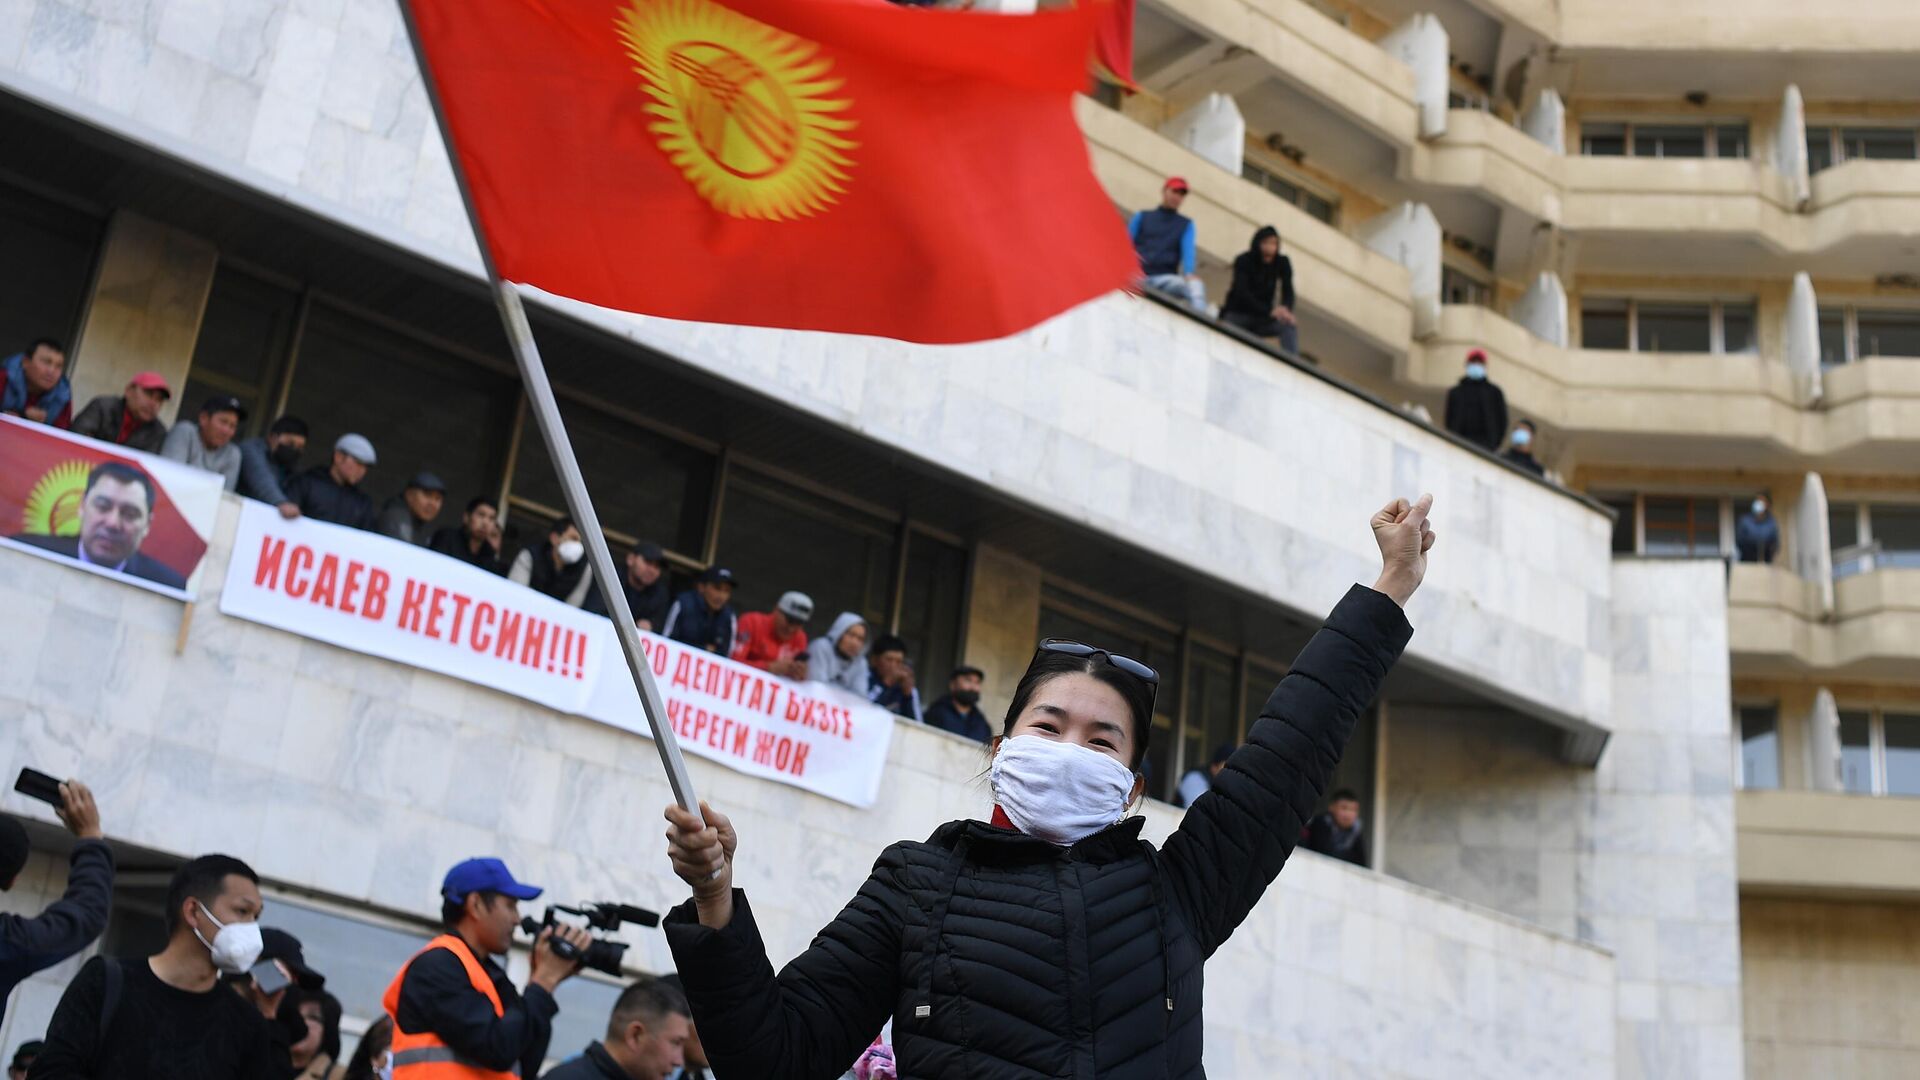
(959, 711)
(556, 566)
(1044, 940)
(167, 1016)
(1757, 534)
(1519, 449)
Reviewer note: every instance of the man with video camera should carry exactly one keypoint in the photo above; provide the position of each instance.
(456, 1015)
(33, 944)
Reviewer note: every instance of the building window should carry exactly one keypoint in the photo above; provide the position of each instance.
(245, 343)
(669, 505)
(1672, 526)
(1669, 326)
(932, 596)
(1759, 730)
(423, 407)
(776, 537)
(45, 278)
(1828, 146)
(1614, 138)
(1849, 333)
(1459, 287)
(1870, 536)
(1316, 206)
(1685, 526)
(1880, 752)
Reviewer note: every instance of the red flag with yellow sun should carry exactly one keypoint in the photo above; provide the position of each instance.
(43, 477)
(845, 165)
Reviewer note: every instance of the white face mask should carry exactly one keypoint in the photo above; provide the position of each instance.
(235, 946)
(1060, 792)
(571, 550)
(385, 1071)
(1759, 508)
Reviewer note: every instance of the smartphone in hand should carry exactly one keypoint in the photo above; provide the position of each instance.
(35, 784)
(269, 978)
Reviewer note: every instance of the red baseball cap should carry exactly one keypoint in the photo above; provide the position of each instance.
(151, 380)
(1179, 182)
(1476, 354)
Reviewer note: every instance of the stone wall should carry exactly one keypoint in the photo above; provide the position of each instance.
(1638, 854)
(361, 780)
(1831, 988)
(1121, 415)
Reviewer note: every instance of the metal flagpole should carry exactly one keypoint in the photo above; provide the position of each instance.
(513, 316)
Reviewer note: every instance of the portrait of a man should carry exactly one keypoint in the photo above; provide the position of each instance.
(116, 512)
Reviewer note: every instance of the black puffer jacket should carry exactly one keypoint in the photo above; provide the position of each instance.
(1002, 956)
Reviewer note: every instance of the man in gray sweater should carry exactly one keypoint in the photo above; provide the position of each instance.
(208, 442)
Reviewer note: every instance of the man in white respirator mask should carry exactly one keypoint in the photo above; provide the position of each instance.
(166, 1016)
(1050, 940)
(556, 566)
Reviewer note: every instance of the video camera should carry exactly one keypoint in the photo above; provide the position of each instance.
(600, 954)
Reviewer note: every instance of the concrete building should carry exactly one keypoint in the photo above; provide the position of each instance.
(1635, 812)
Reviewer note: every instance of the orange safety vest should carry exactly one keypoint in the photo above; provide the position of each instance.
(424, 1055)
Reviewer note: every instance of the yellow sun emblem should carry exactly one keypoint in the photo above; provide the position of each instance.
(53, 506)
(746, 111)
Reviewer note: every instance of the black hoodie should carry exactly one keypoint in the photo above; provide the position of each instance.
(1255, 279)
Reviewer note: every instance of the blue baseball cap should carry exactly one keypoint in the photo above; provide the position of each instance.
(483, 875)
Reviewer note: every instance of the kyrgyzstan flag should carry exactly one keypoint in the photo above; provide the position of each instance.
(844, 165)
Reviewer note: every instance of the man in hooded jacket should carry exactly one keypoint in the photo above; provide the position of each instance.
(1259, 274)
(839, 657)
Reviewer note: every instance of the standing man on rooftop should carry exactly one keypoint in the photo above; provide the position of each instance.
(1476, 408)
(1166, 241)
(267, 463)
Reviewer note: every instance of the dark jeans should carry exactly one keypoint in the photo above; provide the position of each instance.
(1266, 327)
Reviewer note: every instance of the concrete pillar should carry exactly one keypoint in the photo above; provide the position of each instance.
(1212, 128)
(1003, 624)
(1421, 44)
(146, 308)
(1823, 743)
(1409, 234)
(1790, 148)
(1813, 542)
(1542, 309)
(1546, 121)
(1800, 337)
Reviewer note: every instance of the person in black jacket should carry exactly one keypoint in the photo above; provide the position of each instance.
(1258, 273)
(1054, 941)
(1476, 408)
(476, 540)
(1520, 449)
(645, 583)
(1337, 832)
(703, 616)
(34, 944)
(331, 492)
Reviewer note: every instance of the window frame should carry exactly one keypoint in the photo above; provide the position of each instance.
(1716, 322)
(1850, 331)
(1726, 515)
(1835, 132)
(1304, 188)
(1709, 136)
(1740, 706)
(1877, 747)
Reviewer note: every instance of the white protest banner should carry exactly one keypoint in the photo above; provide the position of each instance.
(379, 596)
(134, 517)
(810, 735)
(385, 598)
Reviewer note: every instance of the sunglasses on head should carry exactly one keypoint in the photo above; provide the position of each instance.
(1125, 663)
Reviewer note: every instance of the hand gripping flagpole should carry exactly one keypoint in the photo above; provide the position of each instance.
(546, 411)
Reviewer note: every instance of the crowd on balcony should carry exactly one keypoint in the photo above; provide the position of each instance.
(1260, 301)
(268, 469)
